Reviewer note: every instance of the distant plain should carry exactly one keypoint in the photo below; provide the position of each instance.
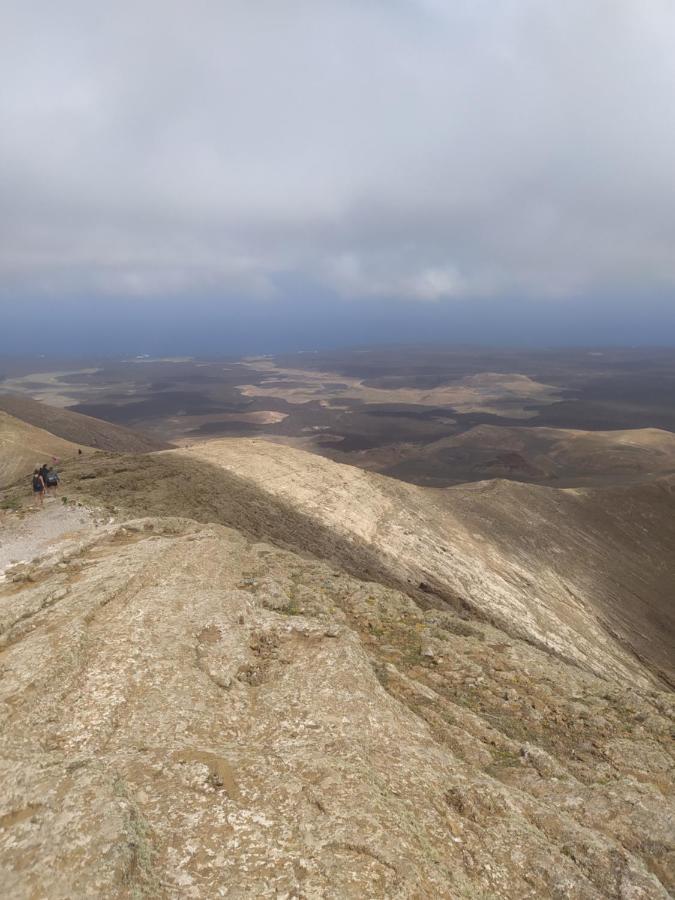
(428, 415)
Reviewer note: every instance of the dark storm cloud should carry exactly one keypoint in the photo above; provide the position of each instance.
(415, 149)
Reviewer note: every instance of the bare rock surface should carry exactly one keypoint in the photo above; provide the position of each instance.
(190, 713)
(26, 533)
(587, 574)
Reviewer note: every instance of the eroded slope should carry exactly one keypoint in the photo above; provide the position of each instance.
(586, 574)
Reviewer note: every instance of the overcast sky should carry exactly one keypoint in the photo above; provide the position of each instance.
(477, 161)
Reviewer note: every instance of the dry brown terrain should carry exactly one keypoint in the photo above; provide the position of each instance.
(565, 568)
(361, 688)
(79, 429)
(23, 447)
(556, 456)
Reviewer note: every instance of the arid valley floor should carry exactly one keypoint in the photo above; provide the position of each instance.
(432, 416)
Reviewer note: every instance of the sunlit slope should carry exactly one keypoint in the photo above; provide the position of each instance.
(23, 446)
(585, 573)
(75, 427)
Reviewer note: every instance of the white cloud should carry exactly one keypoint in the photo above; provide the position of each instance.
(423, 149)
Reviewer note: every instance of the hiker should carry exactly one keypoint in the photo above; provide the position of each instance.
(38, 487)
(46, 472)
(53, 476)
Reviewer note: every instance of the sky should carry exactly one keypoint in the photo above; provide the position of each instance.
(251, 176)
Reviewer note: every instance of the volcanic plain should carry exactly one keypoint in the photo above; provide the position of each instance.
(429, 416)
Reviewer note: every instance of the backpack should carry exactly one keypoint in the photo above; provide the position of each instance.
(52, 479)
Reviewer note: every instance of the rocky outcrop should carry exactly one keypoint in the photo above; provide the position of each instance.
(187, 712)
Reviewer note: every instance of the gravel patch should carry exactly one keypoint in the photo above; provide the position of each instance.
(29, 533)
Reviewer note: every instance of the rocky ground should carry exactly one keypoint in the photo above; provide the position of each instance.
(31, 531)
(190, 710)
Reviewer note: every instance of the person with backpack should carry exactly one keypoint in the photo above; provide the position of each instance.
(49, 476)
(39, 487)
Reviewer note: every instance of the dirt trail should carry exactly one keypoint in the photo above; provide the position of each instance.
(29, 533)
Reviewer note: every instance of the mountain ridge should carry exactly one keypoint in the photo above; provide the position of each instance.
(240, 669)
(216, 716)
(492, 553)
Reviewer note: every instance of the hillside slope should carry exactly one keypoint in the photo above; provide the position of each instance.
(79, 429)
(186, 712)
(23, 446)
(587, 574)
(555, 456)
